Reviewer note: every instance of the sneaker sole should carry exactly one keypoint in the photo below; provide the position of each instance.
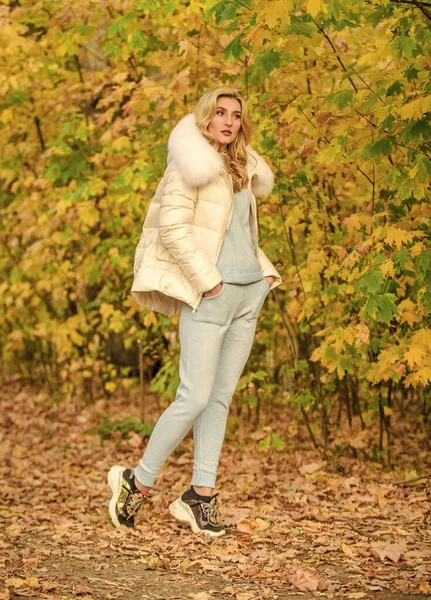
(114, 481)
(182, 512)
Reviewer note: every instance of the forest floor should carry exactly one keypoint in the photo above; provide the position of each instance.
(297, 526)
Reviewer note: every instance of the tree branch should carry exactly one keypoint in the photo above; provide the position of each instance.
(328, 39)
(239, 2)
(420, 5)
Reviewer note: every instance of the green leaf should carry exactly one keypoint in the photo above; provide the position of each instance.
(265, 443)
(387, 123)
(425, 300)
(341, 99)
(170, 6)
(270, 61)
(411, 73)
(422, 262)
(381, 146)
(396, 88)
(223, 11)
(235, 48)
(277, 442)
(386, 307)
(416, 129)
(137, 41)
(371, 282)
(401, 257)
(333, 8)
(300, 27)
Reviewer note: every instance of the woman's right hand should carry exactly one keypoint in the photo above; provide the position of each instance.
(214, 291)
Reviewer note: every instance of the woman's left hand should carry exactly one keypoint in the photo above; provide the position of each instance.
(269, 280)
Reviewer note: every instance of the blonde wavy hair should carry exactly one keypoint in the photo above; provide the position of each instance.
(235, 155)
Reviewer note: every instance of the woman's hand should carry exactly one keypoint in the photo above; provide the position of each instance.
(215, 290)
(269, 280)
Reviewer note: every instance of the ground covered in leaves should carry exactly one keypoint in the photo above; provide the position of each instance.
(297, 526)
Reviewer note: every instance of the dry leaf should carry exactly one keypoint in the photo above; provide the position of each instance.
(311, 468)
(244, 596)
(230, 589)
(258, 435)
(392, 551)
(349, 550)
(201, 596)
(82, 589)
(306, 581)
(13, 530)
(360, 440)
(32, 582)
(356, 595)
(261, 524)
(307, 148)
(364, 332)
(15, 582)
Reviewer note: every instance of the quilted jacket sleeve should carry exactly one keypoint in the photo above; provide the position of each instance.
(177, 207)
(268, 268)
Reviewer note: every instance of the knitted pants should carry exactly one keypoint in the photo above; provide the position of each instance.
(215, 343)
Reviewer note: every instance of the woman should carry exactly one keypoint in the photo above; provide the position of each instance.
(198, 258)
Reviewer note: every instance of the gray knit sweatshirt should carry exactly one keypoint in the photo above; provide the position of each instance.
(237, 260)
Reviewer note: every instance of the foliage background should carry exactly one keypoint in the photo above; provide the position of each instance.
(339, 93)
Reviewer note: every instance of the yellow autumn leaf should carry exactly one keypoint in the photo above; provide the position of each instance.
(416, 108)
(421, 377)
(414, 171)
(369, 58)
(315, 6)
(110, 386)
(422, 337)
(290, 114)
(149, 319)
(6, 115)
(397, 236)
(349, 550)
(270, 12)
(408, 313)
(121, 142)
(414, 356)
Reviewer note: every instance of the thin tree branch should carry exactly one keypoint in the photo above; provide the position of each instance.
(411, 2)
(39, 132)
(420, 5)
(328, 39)
(239, 2)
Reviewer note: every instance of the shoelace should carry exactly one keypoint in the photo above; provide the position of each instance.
(211, 511)
(135, 504)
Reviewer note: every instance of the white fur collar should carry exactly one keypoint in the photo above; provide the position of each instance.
(199, 163)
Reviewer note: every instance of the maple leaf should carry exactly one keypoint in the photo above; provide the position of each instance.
(315, 6)
(393, 552)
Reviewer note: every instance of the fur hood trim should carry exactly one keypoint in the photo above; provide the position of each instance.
(199, 163)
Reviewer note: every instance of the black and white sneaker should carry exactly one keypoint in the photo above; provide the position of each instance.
(203, 517)
(127, 502)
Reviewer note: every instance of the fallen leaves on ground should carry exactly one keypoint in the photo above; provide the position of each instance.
(293, 521)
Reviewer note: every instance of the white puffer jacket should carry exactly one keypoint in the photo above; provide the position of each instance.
(187, 221)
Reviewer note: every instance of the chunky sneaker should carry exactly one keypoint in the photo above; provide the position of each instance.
(126, 504)
(203, 517)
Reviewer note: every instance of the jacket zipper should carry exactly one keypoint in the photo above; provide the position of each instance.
(222, 239)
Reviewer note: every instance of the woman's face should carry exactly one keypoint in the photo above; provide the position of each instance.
(226, 122)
